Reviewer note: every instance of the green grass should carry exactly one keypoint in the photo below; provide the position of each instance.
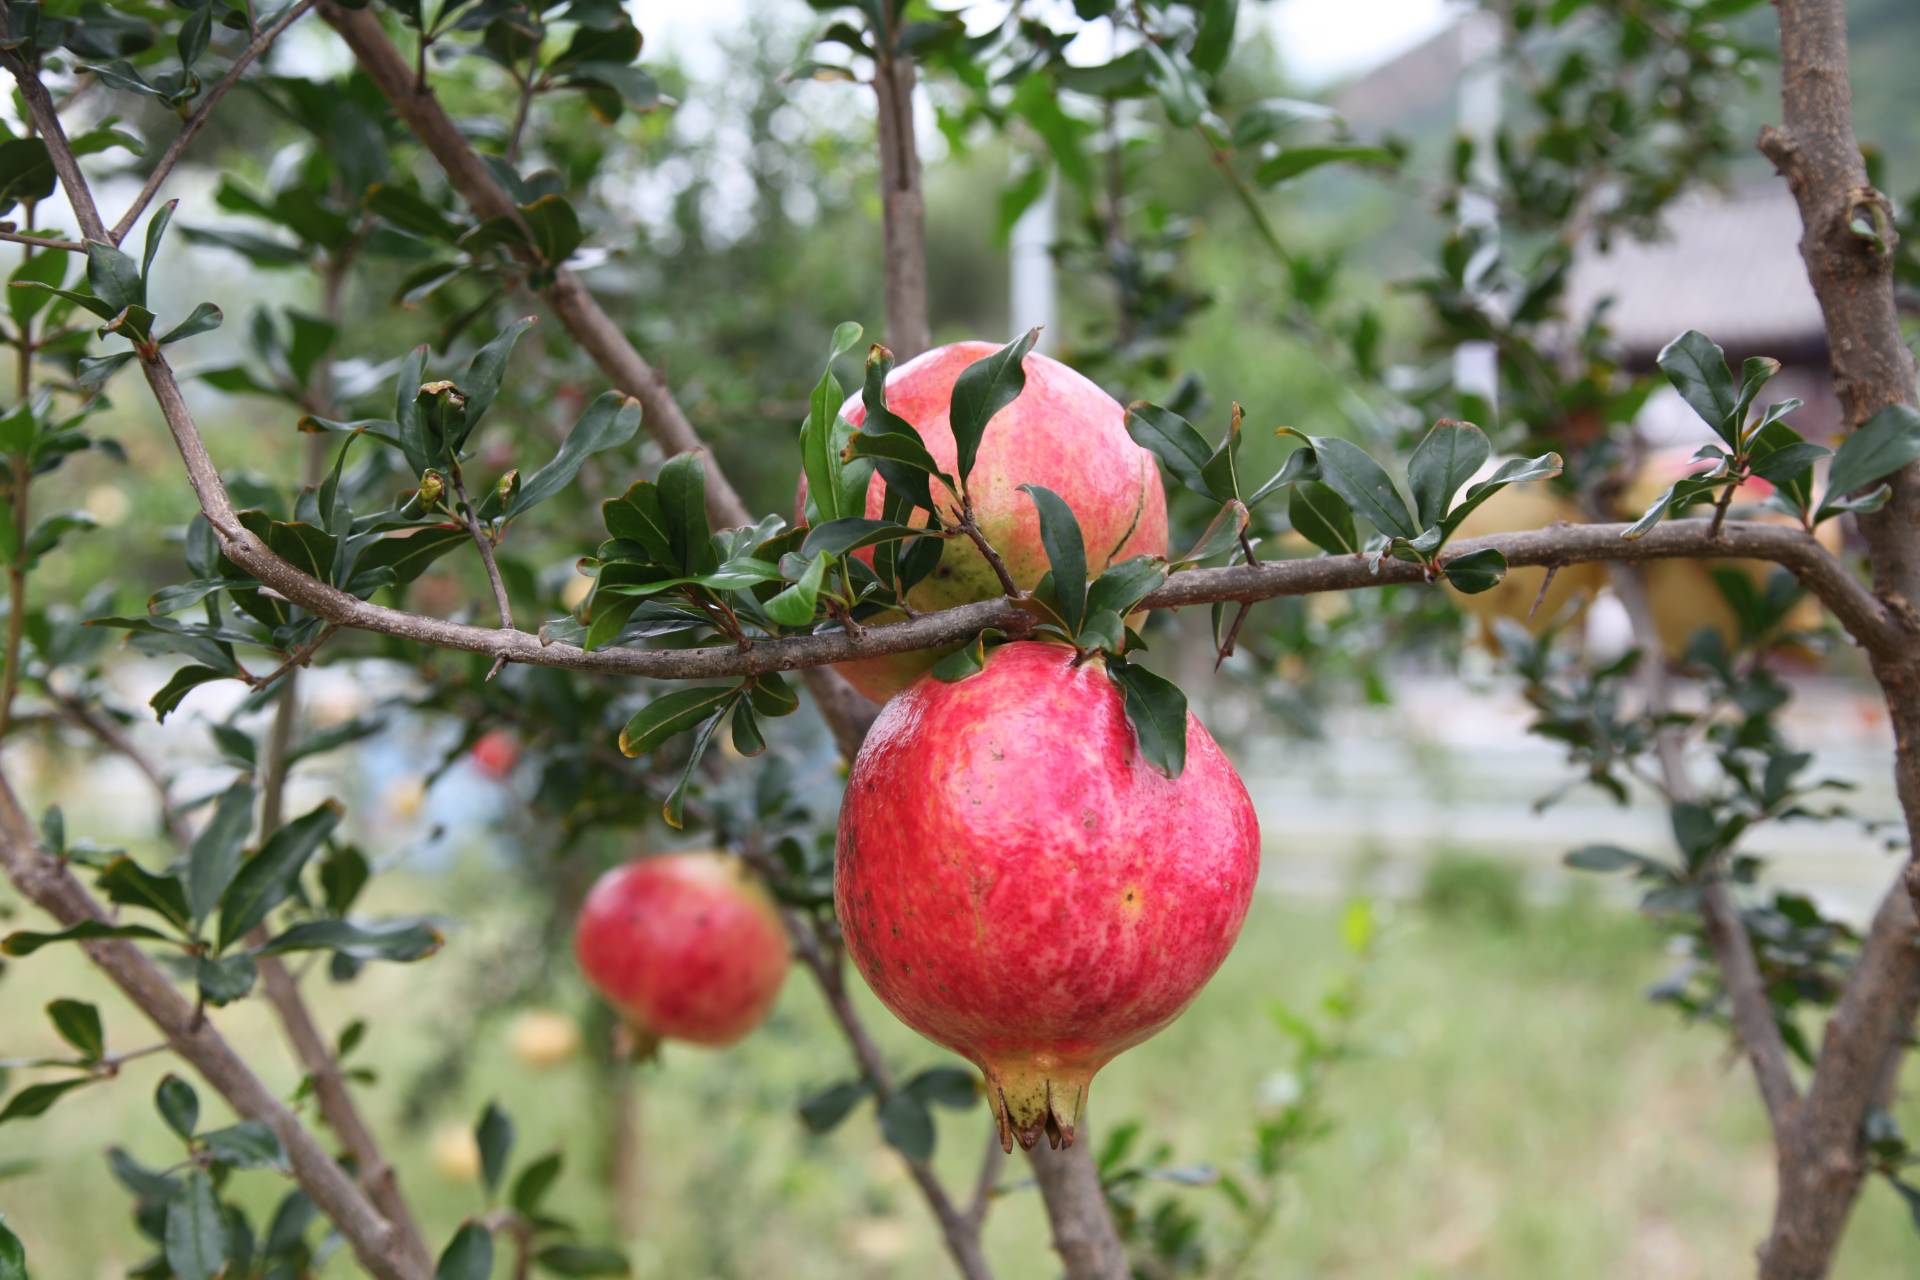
(1518, 1111)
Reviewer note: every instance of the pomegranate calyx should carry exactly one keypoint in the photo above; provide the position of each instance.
(1034, 1099)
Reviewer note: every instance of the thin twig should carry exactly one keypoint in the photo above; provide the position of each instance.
(42, 242)
(970, 527)
(300, 657)
(485, 545)
(178, 147)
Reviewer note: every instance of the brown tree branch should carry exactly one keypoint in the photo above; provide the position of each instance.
(485, 545)
(1822, 1160)
(42, 242)
(902, 206)
(178, 147)
(49, 885)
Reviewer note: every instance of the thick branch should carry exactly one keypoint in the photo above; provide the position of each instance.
(902, 207)
(1822, 1163)
(178, 147)
(49, 885)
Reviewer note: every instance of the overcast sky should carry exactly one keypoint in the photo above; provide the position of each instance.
(1321, 39)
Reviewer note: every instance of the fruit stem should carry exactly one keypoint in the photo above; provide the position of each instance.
(969, 527)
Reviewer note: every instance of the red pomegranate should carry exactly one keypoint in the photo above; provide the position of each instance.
(686, 946)
(1063, 432)
(496, 753)
(1017, 883)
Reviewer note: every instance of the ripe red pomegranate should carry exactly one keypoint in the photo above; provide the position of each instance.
(496, 753)
(1017, 883)
(1062, 432)
(686, 946)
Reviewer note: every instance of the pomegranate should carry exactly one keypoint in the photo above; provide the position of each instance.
(686, 946)
(1574, 586)
(1063, 432)
(496, 753)
(1017, 883)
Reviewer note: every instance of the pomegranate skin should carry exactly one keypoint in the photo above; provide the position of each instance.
(686, 946)
(1018, 884)
(1063, 432)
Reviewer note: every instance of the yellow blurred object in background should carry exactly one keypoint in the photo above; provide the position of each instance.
(1516, 510)
(543, 1037)
(456, 1155)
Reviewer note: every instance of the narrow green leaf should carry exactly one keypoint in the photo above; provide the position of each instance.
(1884, 443)
(35, 1099)
(1697, 368)
(683, 504)
(468, 1256)
(196, 1230)
(1157, 709)
(670, 714)
(1172, 439)
(246, 1145)
(204, 318)
(270, 876)
(968, 660)
(794, 606)
(1221, 534)
(1066, 553)
(1364, 484)
(13, 1254)
(1322, 517)
(982, 390)
(1476, 571)
(1445, 459)
(494, 1136)
(531, 1185)
(114, 278)
(215, 857)
(25, 942)
(822, 1112)
(488, 370)
(582, 1260)
(608, 423)
(156, 231)
(78, 1023)
(397, 940)
(178, 1104)
(1125, 585)
(1294, 161)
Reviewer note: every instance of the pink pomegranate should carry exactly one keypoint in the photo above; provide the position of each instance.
(1017, 883)
(687, 946)
(1062, 432)
(496, 753)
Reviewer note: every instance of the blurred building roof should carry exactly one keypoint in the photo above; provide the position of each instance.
(1729, 265)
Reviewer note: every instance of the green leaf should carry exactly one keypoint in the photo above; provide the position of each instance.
(45, 272)
(35, 1099)
(156, 231)
(1172, 439)
(468, 1256)
(1214, 41)
(221, 982)
(398, 940)
(608, 423)
(1884, 443)
(771, 695)
(582, 1260)
(196, 1230)
(488, 369)
(1678, 494)
(494, 1136)
(24, 942)
(1476, 571)
(823, 1111)
(78, 1023)
(636, 516)
(954, 1087)
(246, 1145)
(907, 1125)
(13, 1254)
(1176, 82)
(1125, 585)
(127, 883)
(1066, 553)
(1294, 161)
(673, 713)
(1604, 857)
(982, 390)
(968, 660)
(674, 808)
(1322, 517)
(1697, 368)
(1512, 471)
(1363, 483)
(26, 173)
(1157, 709)
(178, 1104)
(1445, 459)
(270, 876)
(1221, 534)
(794, 606)
(215, 857)
(531, 1185)
(683, 504)
(747, 738)
(1755, 373)
(85, 300)
(850, 533)
(114, 279)
(204, 318)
